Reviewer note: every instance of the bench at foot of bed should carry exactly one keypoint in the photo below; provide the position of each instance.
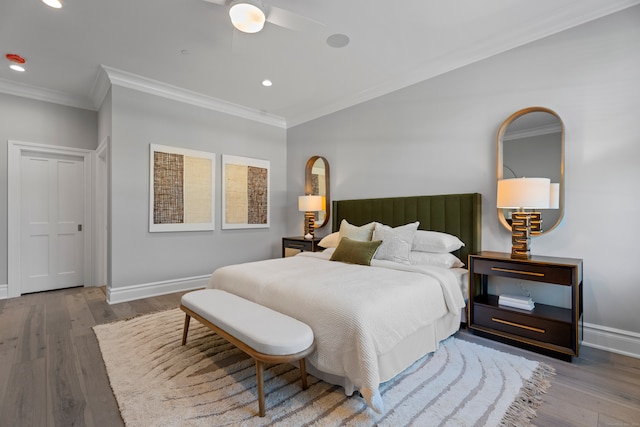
(264, 334)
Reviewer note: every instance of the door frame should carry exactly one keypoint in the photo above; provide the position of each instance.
(14, 154)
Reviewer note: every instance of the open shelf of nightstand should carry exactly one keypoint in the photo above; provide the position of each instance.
(544, 311)
(556, 330)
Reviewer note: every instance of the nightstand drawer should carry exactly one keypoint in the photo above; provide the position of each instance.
(557, 274)
(300, 244)
(523, 324)
(303, 246)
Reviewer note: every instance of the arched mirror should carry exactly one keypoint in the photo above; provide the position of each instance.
(317, 184)
(530, 144)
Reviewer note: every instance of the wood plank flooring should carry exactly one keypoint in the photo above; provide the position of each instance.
(52, 374)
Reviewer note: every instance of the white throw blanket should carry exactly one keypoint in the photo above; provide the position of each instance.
(357, 313)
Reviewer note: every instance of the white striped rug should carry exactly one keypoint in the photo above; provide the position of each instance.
(208, 382)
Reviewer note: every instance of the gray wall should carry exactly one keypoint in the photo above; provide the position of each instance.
(140, 257)
(438, 137)
(28, 120)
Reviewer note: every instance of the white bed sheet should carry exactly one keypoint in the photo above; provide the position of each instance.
(365, 319)
(462, 276)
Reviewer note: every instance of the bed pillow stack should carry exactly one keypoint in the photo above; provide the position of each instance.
(404, 244)
(434, 248)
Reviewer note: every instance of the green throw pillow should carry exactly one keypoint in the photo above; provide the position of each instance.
(354, 251)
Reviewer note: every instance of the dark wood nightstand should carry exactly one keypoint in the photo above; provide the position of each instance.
(556, 331)
(301, 244)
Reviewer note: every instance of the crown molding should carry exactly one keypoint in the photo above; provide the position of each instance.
(154, 87)
(100, 88)
(107, 76)
(42, 94)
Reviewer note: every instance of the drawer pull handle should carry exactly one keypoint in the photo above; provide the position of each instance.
(518, 325)
(295, 246)
(506, 270)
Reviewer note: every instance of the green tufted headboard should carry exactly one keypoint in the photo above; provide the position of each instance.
(457, 214)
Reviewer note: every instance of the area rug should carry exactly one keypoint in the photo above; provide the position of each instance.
(208, 382)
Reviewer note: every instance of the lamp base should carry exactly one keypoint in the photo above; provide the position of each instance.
(309, 223)
(523, 225)
(536, 223)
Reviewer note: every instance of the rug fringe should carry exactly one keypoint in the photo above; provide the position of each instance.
(523, 408)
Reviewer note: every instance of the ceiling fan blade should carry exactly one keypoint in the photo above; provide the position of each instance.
(292, 21)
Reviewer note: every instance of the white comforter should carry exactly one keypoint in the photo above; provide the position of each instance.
(356, 313)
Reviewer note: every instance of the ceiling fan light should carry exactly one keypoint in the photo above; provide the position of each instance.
(56, 4)
(247, 17)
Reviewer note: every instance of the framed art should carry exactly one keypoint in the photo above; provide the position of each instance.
(245, 192)
(181, 192)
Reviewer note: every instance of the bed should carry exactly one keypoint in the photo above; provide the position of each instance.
(370, 322)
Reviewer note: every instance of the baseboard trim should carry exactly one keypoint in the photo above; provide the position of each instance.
(4, 291)
(146, 290)
(614, 340)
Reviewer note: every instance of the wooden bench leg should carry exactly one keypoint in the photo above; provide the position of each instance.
(185, 331)
(260, 380)
(303, 373)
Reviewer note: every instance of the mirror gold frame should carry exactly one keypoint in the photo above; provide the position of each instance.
(500, 166)
(309, 188)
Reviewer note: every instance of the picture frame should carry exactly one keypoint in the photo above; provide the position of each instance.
(246, 192)
(181, 189)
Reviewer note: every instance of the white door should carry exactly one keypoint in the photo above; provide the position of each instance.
(51, 213)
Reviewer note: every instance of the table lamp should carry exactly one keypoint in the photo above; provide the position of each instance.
(309, 204)
(521, 194)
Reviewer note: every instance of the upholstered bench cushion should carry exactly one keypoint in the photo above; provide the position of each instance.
(265, 330)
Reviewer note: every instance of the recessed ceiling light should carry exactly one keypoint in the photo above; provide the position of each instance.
(267, 83)
(338, 40)
(56, 4)
(16, 67)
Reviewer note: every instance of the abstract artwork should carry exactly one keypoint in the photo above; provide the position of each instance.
(181, 189)
(245, 192)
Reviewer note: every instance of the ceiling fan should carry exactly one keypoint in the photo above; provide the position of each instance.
(250, 16)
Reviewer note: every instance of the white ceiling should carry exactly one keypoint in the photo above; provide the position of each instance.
(190, 46)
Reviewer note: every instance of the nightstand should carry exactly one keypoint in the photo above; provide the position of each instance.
(300, 243)
(552, 330)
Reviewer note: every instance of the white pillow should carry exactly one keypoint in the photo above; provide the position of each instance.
(330, 241)
(362, 233)
(436, 242)
(329, 251)
(444, 260)
(396, 242)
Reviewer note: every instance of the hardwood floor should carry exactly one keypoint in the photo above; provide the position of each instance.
(52, 374)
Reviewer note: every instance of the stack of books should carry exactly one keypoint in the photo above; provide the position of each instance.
(516, 301)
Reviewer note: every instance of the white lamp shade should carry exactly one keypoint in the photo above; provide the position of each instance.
(247, 16)
(310, 203)
(524, 193)
(554, 196)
